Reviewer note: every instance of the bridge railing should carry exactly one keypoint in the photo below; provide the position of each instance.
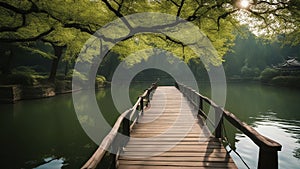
(113, 140)
(268, 148)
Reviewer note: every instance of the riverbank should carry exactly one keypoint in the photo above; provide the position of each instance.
(277, 81)
(284, 81)
(13, 93)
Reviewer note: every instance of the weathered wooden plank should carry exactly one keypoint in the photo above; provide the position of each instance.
(158, 139)
(179, 163)
(155, 124)
(194, 145)
(168, 167)
(198, 139)
(195, 135)
(180, 159)
(156, 110)
(172, 132)
(161, 130)
(175, 154)
(179, 149)
(174, 125)
(201, 142)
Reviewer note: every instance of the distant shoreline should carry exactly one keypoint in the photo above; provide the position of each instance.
(10, 94)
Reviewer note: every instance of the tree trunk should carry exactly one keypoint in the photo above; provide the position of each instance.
(58, 50)
(7, 62)
(66, 68)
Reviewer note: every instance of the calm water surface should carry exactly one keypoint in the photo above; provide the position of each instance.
(273, 112)
(46, 133)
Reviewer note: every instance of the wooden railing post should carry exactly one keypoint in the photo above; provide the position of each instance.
(218, 122)
(113, 156)
(200, 106)
(148, 98)
(142, 104)
(268, 158)
(126, 125)
(176, 85)
(190, 94)
(193, 95)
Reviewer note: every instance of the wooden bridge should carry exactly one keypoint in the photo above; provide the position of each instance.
(170, 132)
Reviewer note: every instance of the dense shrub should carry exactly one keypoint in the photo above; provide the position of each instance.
(100, 81)
(250, 72)
(22, 78)
(268, 74)
(25, 69)
(69, 75)
(21, 75)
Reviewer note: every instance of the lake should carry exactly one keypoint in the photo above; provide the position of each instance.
(46, 133)
(273, 112)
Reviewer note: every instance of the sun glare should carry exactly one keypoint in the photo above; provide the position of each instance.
(244, 3)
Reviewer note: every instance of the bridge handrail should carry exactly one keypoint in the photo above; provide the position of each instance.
(130, 115)
(268, 157)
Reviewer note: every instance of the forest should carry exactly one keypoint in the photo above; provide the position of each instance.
(41, 40)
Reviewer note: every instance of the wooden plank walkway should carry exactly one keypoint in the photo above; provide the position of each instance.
(170, 135)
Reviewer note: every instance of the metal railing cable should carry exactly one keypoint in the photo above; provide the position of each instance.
(227, 142)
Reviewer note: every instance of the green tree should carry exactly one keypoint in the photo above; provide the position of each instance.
(251, 52)
(31, 20)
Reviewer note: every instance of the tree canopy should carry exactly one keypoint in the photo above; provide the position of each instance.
(70, 23)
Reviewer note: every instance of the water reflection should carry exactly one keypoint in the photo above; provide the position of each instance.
(42, 133)
(46, 133)
(273, 112)
(53, 163)
(33, 130)
(287, 132)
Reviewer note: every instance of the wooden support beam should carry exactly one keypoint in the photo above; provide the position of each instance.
(268, 158)
(218, 122)
(200, 110)
(126, 126)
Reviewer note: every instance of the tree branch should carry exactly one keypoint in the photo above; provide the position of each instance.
(15, 9)
(117, 13)
(193, 16)
(119, 4)
(180, 8)
(35, 9)
(79, 26)
(174, 3)
(34, 38)
(223, 16)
